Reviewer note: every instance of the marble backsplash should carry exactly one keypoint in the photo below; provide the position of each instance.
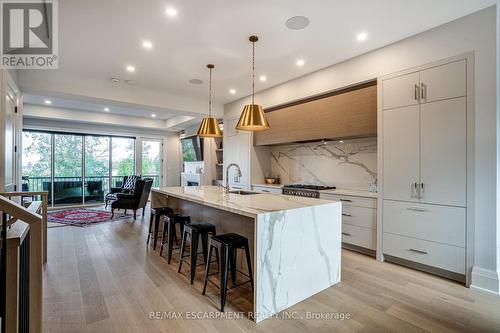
(344, 164)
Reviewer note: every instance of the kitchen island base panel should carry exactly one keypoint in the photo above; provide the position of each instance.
(299, 255)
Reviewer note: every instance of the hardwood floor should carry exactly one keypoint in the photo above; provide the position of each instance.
(104, 279)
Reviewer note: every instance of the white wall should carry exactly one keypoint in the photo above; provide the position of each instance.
(498, 137)
(474, 32)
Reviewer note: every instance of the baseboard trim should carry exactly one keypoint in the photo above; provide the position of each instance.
(485, 280)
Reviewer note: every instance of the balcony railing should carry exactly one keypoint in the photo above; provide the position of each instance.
(68, 190)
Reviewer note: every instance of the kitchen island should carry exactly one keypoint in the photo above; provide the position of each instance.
(295, 242)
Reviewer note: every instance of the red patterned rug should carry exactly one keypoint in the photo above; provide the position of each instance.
(82, 217)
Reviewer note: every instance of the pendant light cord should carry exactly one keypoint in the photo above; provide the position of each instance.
(253, 72)
(210, 94)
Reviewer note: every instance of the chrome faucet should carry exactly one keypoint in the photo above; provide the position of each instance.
(236, 178)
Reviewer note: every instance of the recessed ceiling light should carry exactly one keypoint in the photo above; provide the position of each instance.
(172, 12)
(130, 68)
(153, 115)
(232, 91)
(115, 80)
(341, 141)
(106, 109)
(300, 62)
(147, 44)
(361, 36)
(297, 22)
(48, 102)
(196, 81)
(263, 78)
(131, 82)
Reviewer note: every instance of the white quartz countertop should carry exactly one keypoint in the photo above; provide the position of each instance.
(248, 205)
(351, 192)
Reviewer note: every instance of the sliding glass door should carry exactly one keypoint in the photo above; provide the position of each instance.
(75, 168)
(97, 166)
(37, 162)
(68, 169)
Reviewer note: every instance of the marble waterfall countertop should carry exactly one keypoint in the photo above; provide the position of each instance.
(248, 205)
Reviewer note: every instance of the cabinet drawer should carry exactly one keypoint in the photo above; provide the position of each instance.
(265, 189)
(450, 258)
(442, 224)
(359, 216)
(359, 236)
(348, 200)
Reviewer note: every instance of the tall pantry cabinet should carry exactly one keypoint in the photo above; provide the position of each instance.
(423, 120)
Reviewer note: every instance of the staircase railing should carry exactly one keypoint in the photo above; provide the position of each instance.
(25, 256)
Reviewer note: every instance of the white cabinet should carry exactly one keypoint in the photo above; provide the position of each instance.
(424, 167)
(267, 189)
(443, 82)
(359, 221)
(236, 151)
(401, 153)
(429, 85)
(450, 258)
(443, 152)
(401, 91)
(442, 224)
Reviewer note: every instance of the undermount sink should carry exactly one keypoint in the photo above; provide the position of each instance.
(243, 192)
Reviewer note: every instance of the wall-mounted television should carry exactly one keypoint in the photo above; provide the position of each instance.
(192, 148)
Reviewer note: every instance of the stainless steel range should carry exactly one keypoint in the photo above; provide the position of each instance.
(302, 190)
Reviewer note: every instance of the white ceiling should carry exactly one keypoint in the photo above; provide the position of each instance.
(98, 38)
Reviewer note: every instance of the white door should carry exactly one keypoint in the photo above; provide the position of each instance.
(401, 153)
(400, 91)
(443, 152)
(443, 82)
(152, 160)
(10, 140)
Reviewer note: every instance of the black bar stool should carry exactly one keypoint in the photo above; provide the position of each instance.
(156, 214)
(227, 244)
(195, 230)
(169, 231)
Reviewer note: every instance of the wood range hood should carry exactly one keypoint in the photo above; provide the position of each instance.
(345, 113)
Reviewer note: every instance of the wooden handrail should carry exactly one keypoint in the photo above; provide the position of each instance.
(13, 208)
(45, 196)
(23, 221)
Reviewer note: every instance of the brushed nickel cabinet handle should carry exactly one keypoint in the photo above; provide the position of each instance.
(345, 200)
(346, 234)
(421, 191)
(418, 251)
(344, 214)
(422, 91)
(416, 209)
(416, 92)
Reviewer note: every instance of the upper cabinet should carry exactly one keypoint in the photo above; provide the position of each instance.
(425, 143)
(350, 113)
(430, 85)
(401, 91)
(443, 82)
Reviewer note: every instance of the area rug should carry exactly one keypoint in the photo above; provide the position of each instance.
(82, 217)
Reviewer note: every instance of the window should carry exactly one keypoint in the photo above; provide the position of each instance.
(80, 168)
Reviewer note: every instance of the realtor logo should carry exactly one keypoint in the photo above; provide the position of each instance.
(29, 34)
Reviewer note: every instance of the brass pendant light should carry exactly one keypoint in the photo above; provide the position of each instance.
(209, 127)
(253, 117)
